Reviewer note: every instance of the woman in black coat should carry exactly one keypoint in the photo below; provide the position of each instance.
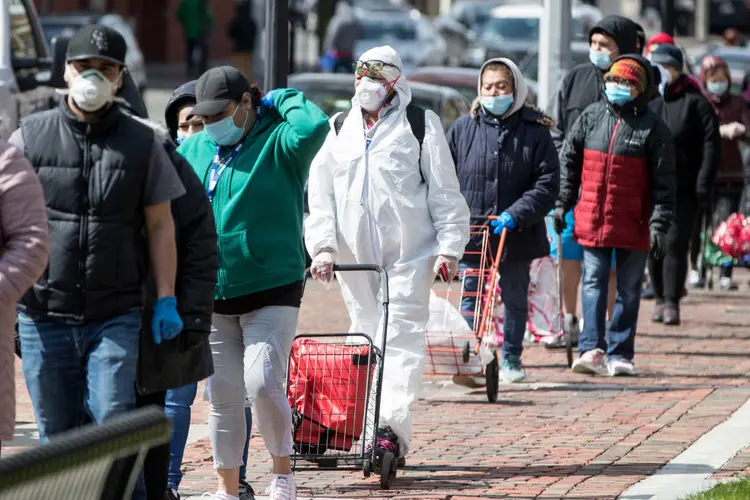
(695, 129)
(507, 166)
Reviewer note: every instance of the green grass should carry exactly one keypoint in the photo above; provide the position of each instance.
(733, 490)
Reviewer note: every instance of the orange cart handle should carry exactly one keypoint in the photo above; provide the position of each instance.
(490, 303)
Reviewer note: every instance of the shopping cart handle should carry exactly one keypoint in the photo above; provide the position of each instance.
(357, 267)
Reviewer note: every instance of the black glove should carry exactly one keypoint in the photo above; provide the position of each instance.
(658, 244)
(558, 220)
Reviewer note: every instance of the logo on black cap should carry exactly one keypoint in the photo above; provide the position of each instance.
(99, 38)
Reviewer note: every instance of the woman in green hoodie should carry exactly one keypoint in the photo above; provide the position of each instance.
(253, 157)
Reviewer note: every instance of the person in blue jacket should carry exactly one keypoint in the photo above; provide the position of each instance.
(507, 166)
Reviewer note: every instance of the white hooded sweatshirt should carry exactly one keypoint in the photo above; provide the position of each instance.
(370, 205)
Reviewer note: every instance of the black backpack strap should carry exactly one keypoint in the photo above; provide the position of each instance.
(338, 122)
(416, 117)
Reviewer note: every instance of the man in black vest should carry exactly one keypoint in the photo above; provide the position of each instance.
(107, 182)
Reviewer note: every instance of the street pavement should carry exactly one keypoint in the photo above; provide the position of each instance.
(560, 435)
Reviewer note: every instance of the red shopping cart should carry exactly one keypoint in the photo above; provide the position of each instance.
(334, 388)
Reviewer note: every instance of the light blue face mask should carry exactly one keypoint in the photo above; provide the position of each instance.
(181, 136)
(602, 60)
(225, 132)
(617, 94)
(497, 105)
(717, 88)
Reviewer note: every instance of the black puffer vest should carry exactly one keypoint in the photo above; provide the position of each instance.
(93, 177)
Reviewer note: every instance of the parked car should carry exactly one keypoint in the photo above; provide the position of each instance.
(408, 31)
(513, 30)
(529, 65)
(27, 79)
(464, 80)
(738, 59)
(333, 93)
(68, 23)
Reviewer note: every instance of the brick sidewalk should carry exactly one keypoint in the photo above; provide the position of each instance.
(561, 435)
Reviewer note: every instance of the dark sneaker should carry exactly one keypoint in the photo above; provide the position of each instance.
(671, 315)
(171, 494)
(658, 315)
(387, 441)
(246, 491)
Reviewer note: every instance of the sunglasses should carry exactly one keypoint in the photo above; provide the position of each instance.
(372, 66)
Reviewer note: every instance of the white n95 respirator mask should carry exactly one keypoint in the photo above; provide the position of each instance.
(90, 89)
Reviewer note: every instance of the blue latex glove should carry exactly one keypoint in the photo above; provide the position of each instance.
(267, 100)
(503, 221)
(166, 323)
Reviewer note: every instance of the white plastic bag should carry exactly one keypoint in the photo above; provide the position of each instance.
(447, 330)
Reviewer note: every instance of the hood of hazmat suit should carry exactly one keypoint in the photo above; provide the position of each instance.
(372, 201)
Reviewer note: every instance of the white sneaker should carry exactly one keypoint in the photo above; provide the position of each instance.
(282, 487)
(694, 278)
(219, 495)
(590, 362)
(617, 367)
(727, 284)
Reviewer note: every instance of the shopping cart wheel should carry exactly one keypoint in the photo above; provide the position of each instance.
(492, 376)
(569, 348)
(367, 468)
(387, 470)
(467, 352)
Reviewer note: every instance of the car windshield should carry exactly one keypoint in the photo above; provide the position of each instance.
(527, 28)
(51, 30)
(378, 29)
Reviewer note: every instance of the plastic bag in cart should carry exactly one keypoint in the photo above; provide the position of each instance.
(329, 388)
(543, 319)
(445, 336)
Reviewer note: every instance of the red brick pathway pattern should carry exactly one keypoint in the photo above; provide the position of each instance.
(562, 435)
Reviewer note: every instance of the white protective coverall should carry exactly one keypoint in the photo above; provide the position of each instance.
(370, 206)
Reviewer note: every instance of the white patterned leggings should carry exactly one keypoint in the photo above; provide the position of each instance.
(250, 353)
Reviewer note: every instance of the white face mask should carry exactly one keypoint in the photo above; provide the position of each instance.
(90, 90)
(371, 94)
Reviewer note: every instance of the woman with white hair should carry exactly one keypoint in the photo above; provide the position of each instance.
(383, 190)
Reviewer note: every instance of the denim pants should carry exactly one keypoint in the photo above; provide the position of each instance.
(177, 409)
(514, 284)
(75, 371)
(630, 265)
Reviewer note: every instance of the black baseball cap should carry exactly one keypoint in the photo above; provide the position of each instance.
(216, 88)
(97, 41)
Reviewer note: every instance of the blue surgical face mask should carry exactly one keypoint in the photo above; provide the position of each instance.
(717, 88)
(225, 132)
(181, 136)
(497, 105)
(602, 60)
(617, 93)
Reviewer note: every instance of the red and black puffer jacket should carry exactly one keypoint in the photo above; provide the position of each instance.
(621, 161)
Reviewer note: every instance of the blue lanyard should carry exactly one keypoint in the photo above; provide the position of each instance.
(217, 168)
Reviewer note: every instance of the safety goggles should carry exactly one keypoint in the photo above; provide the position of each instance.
(372, 66)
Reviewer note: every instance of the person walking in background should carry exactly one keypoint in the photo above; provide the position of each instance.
(695, 131)
(617, 169)
(243, 31)
(734, 126)
(254, 156)
(24, 231)
(412, 221)
(343, 32)
(497, 177)
(732, 38)
(197, 20)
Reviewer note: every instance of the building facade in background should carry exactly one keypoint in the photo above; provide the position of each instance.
(155, 24)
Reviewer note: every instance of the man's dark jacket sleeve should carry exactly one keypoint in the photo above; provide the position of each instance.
(661, 165)
(187, 358)
(537, 201)
(571, 162)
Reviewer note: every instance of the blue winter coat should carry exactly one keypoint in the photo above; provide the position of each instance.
(508, 165)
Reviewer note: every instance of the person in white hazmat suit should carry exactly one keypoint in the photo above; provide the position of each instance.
(372, 201)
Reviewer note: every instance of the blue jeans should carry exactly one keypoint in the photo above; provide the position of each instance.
(629, 266)
(177, 408)
(514, 283)
(74, 370)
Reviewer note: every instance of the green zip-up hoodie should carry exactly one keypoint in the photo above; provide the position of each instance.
(258, 203)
